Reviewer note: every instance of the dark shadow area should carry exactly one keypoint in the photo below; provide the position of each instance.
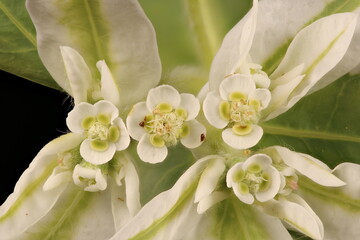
(31, 116)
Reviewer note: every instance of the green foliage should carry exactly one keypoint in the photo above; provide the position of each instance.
(18, 52)
(324, 124)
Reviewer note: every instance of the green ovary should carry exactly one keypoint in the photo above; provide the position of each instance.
(253, 180)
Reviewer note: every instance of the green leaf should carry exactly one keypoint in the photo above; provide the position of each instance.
(324, 124)
(18, 52)
(155, 178)
(236, 220)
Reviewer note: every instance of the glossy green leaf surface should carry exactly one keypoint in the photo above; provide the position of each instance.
(18, 52)
(324, 124)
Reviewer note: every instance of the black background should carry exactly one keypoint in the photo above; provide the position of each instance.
(31, 116)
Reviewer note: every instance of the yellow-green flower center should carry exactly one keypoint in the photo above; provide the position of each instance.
(240, 112)
(166, 125)
(252, 180)
(100, 131)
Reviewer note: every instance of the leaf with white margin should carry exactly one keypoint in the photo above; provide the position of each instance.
(160, 217)
(338, 208)
(131, 180)
(280, 20)
(209, 179)
(78, 73)
(115, 31)
(320, 46)
(109, 89)
(77, 215)
(233, 219)
(29, 203)
(281, 88)
(173, 215)
(234, 48)
(295, 215)
(309, 167)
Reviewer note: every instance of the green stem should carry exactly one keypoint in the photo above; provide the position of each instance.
(202, 19)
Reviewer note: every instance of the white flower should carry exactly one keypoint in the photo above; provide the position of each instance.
(105, 132)
(312, 53)
(254, 179)
(165, 118)
(91, 179)
(238, 109)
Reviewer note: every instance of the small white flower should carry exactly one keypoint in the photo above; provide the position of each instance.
(260, 78)
(165, 118)
(105, 131)
(91, 179)
(254, 178)
(237, 109)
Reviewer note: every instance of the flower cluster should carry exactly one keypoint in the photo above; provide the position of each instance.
(272, 187)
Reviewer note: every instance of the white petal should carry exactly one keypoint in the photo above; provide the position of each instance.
(29, 203)
(247, 198)
(75, 117)
(109, 88)
(230, 174)
(203, 91)
(78, 74)
(236, 83)
(262, 159)
(209, 179)
(96, 157)
(211, 110)
(196, 133)
(310, 167)
(263, 95)
(242, 142)
(117, 31)
(191, 104)
(148, 153)
(296, 216)
(326, 42)
(274, 188)
(134, 118)
(57, 178)
(162, 94)
(106, 107)
(124, 139)
(234, 48)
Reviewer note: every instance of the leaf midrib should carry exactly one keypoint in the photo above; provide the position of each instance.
(29, 36)
(93, 29)
(300, 133)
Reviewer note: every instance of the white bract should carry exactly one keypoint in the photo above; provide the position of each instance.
(254, 179)
(237, 109)
(91, 49)
(166, 118)
(313, 52)
(105, 132)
